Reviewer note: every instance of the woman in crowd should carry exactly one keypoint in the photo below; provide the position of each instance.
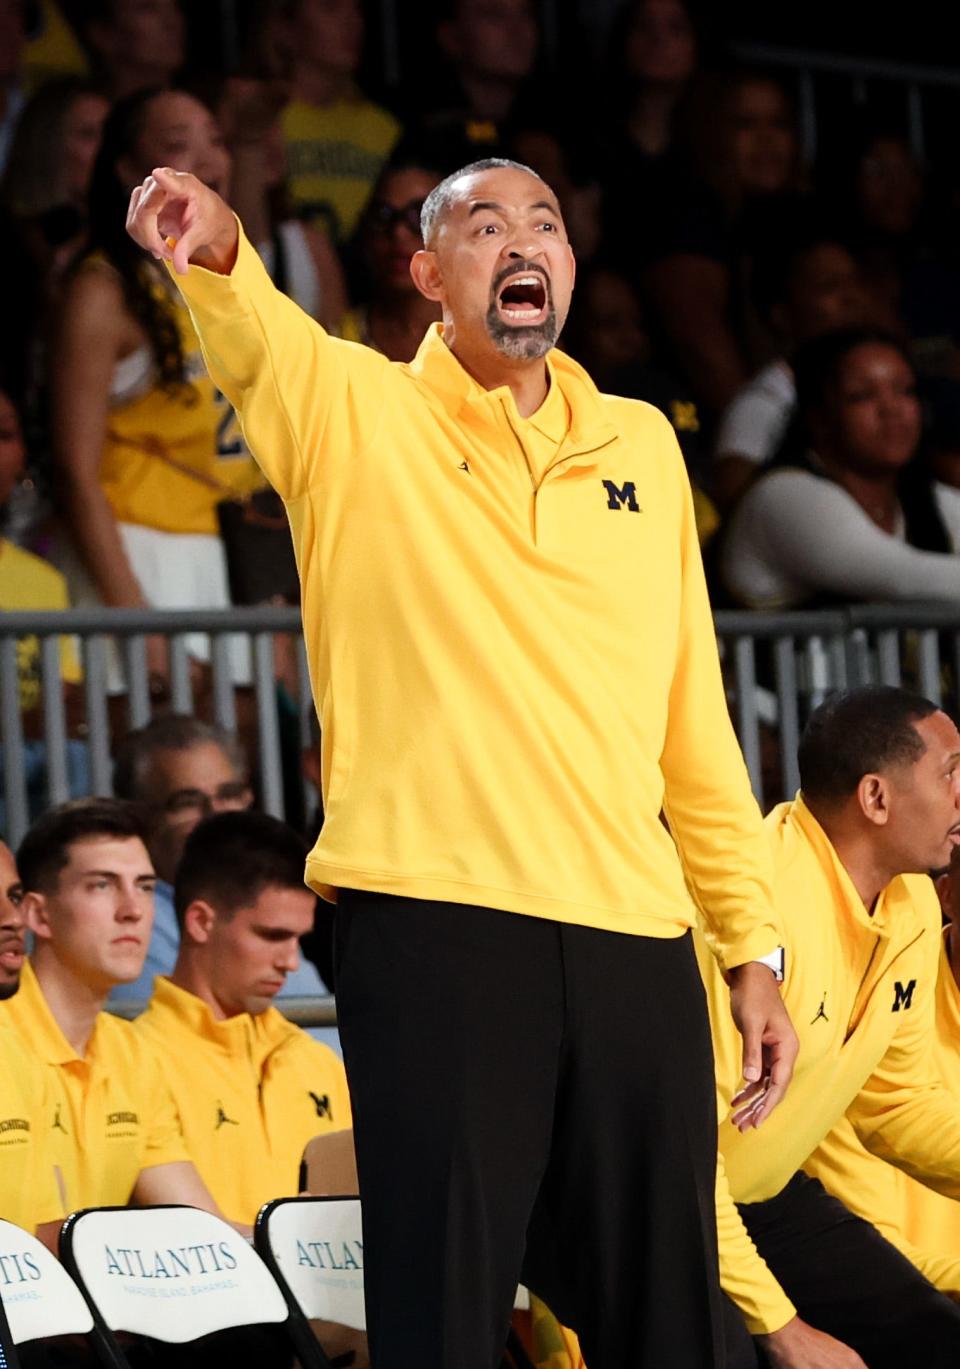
(146, 447)
(848, 513)
(394, 315)
(652, 57)
(708, 235)
(43, 201)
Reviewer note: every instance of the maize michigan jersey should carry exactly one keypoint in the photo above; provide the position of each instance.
(171, 455)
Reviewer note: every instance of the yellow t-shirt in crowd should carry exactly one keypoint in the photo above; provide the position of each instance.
(251, 1092)
(52, 49)
(28, 583)
(28, 1189)
(334, 155)
(110, 1112)
(171, 456)
(923, 1224)
(511, 646)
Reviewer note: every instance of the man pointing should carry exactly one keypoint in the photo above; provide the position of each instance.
(515, 670)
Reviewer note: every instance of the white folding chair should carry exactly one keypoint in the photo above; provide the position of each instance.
(173, 1274)
(313, 1247)
(38, 1298)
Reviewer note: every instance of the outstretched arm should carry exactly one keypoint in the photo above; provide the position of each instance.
(304, 398)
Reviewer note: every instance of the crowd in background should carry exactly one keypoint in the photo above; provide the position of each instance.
(797, 322)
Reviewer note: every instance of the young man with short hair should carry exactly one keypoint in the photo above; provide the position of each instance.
(28, 1188)
(88, 896)
(879, 806)
(251, 1088)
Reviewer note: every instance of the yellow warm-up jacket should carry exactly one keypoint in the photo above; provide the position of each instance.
(860, 991)
(923, 1224)
(513, 659)
(251, 1092)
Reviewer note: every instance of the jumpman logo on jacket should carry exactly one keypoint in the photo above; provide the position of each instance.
(58, 1121)
(222, 1117)
(321, 1104)
(821, 1011)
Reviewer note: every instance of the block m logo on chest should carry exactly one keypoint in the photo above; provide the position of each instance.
(621, 496)
(903, 995)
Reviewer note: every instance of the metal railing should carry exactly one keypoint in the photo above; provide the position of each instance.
(100, 632)
(778, 668)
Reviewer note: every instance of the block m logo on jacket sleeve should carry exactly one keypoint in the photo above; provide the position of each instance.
(620, 496)
(903, 995)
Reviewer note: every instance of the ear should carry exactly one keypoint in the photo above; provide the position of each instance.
(37, 914)
(942, 886)
(873, 796)
(425, 271)
(199, 920)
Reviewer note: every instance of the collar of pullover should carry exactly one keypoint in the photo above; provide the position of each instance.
(240, 1035)
(580, 427)
(846, 895)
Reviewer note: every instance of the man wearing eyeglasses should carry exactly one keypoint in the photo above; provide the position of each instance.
(182, 770)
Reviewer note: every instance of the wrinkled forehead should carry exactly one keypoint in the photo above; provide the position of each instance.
(516, 191)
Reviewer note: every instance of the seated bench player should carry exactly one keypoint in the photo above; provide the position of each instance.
(251, 1088)
(879, 805)
(922, 1223)
(28, 1190)
(88, 896)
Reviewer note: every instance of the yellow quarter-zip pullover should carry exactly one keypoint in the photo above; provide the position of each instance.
(251, 1092)
(28, 1188)
(110, 1113)
(923, 1224)
(511, 647)
(859, 988)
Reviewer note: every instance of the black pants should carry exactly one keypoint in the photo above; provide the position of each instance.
(528, 1088)
(844, 1278)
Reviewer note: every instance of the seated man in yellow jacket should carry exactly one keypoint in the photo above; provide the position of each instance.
(922, 1223)
(28, 1189)
(879, 805)
(112, 1122)
(251, 1088)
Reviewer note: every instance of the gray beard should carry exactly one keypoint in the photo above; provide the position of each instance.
(522, 343)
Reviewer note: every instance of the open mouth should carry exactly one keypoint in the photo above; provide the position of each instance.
(523, 299)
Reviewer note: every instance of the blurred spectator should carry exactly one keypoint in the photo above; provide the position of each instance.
(300, 257)
(747, 157)
(136, 44)
(394, 316)
(849, 514)
(181, 770)
(12, 40)
(47, 178)
(242, 906)
(337, 140)
(479, 95)
(651, 58)
(146, 447)
(810, 287)
(28, 583)
(608, 335)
